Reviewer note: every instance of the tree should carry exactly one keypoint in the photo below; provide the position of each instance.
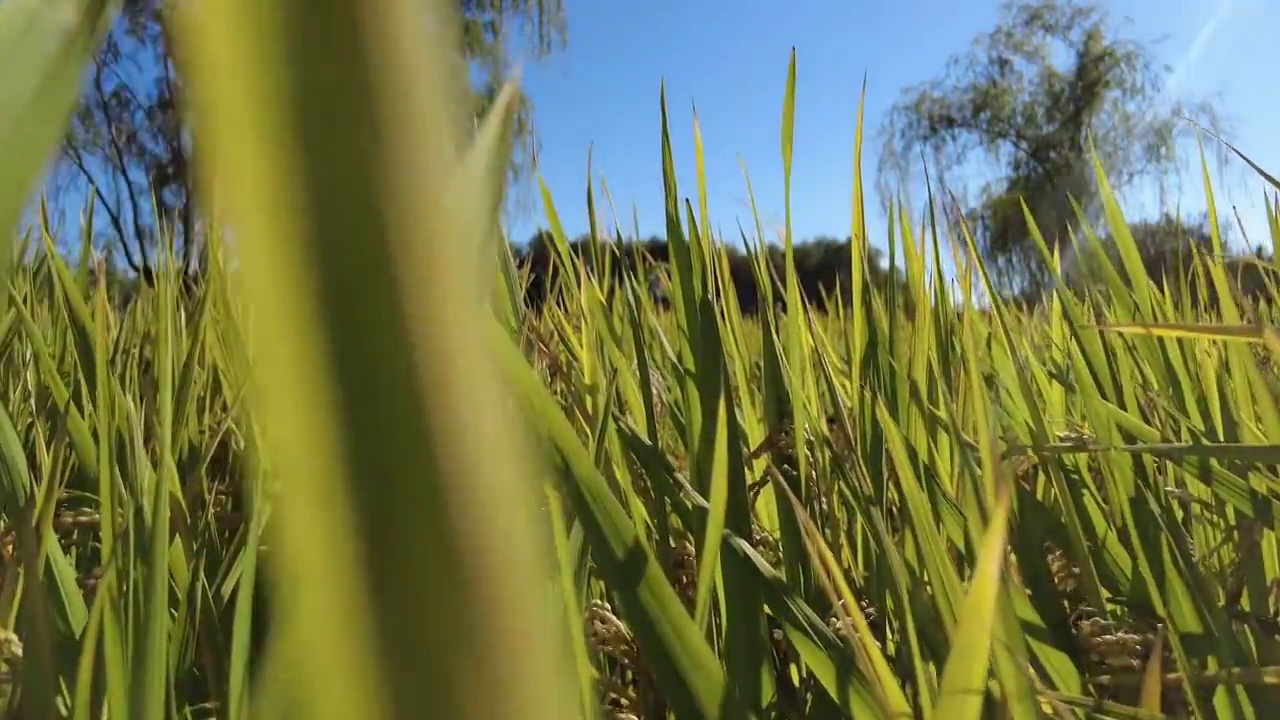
(487, 29)
(130, 144)
(1027, 98)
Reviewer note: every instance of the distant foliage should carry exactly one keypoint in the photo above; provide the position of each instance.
(1167, 246)
(823, 267)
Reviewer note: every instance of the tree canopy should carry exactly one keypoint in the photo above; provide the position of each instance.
(130, 146)
(1026, 99)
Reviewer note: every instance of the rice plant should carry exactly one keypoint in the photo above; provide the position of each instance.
(330, 480)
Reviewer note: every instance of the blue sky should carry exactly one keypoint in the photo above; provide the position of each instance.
(730, 58)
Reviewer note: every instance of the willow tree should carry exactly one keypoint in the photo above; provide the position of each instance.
(1015, 117)
(130, 144)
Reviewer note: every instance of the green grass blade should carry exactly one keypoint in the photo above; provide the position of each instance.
(965, 677)
(395, 385)
(52, 42)
(685, 665)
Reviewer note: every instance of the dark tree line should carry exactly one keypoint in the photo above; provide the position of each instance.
(1166, 245)
(823, 267)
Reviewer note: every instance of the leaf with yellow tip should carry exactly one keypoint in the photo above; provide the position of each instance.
(1153, 676)
(965, 677)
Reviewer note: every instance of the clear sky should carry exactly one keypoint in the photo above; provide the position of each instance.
(730, 58)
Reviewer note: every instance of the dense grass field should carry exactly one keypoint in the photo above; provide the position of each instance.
(324, 482)
(1090, 507)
